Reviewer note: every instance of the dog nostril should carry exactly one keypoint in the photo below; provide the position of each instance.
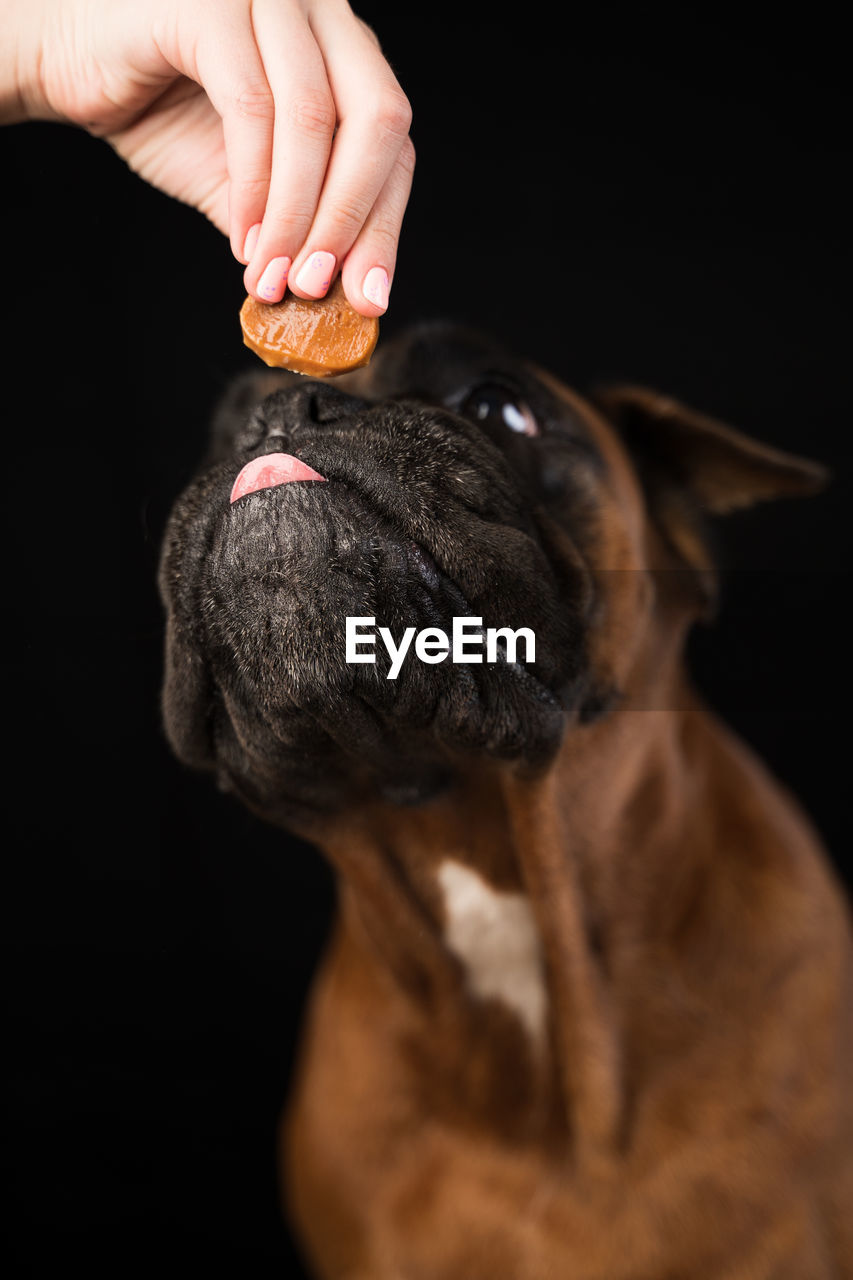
(328, 404)
(275, 443)
(309, 405)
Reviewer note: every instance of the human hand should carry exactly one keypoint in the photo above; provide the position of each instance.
(280, 120)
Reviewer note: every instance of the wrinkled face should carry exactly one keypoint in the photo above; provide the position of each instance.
(451, 482)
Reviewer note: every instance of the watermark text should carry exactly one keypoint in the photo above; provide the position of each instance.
(432, 644)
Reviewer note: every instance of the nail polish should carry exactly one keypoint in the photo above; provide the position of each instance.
(375, 287)
(273, 280)
(315, 274)
(251, 241)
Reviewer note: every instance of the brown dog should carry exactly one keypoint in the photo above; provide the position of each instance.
(587, 1008)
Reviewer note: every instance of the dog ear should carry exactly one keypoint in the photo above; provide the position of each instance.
(691, 465)
(721, 468)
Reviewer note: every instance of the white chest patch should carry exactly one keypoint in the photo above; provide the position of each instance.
(495, 936)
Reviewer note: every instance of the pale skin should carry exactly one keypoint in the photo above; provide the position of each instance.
(279, 120)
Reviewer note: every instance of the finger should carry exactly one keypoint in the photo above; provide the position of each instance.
(232, 74)
(368, 268)
(375, 117)
(305, 120)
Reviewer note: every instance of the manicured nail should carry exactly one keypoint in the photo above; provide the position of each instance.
(251, 241)
(271, 285)
(315, 274)
(376, 286)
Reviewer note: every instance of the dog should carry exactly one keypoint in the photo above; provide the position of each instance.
(587, 1006)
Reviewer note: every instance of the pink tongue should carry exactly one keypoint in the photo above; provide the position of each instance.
(273, 469)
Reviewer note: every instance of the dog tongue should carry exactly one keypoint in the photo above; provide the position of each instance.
(272, 469)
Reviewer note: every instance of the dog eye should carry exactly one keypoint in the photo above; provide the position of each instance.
(492, 405)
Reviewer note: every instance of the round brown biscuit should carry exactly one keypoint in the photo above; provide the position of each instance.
(318, 337)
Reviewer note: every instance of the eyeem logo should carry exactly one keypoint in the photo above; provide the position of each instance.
(434, 645)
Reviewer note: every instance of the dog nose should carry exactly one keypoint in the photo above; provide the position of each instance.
(314, 404)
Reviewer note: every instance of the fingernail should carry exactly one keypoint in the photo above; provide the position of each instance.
(315, 274)
(251, 241)
(272, 283)
(376, 287)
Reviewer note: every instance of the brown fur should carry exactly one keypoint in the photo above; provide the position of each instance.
(691, 1116)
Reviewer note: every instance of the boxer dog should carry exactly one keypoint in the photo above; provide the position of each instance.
(586, 1010)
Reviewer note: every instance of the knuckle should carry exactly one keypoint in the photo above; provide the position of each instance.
(313, 112)
(289, 221)
(248, 189)
(349, 213)
(384, 234)
(393, 113)
(368, 31)
(254, 102)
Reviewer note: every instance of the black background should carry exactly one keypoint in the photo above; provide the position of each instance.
(665, 206)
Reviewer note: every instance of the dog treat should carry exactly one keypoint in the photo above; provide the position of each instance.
(319, 338)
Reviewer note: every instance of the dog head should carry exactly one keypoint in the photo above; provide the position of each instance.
(446, 480)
